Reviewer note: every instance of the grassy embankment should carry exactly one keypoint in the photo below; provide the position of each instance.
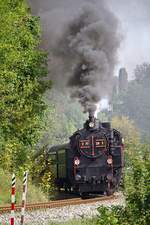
(34, 194)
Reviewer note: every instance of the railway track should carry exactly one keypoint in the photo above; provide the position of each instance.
(57, 204)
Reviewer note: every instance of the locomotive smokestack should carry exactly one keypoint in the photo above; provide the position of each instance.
(91, 116)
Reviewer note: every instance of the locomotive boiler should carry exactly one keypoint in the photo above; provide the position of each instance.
(91, 162)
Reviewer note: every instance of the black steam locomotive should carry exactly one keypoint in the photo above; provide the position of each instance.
(91, 162)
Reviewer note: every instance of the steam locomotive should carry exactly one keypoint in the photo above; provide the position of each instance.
(91, 162)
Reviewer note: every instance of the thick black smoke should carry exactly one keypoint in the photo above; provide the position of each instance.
(83, 51)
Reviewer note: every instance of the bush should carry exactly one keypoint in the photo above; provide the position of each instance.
(137, 194)
(34, 194)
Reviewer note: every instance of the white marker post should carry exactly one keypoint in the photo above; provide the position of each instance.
(25, 177)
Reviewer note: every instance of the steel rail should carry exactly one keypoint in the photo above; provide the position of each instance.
(57, 203)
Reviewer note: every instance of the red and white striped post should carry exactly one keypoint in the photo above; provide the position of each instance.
(12, 219)
(24, 196)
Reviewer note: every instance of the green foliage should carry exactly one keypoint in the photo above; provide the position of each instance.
(130, 134)
(21, 88)
(108, 216)
(138, 188)
(42, 174)
(34, 194)
(62, 119)
(127, 128)
(137, 194)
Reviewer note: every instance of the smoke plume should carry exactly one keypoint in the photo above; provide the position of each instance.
(82, 47)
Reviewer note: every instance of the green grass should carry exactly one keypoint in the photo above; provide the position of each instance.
(34, 194)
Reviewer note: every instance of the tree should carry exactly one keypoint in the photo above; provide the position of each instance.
(127, 128)
(142, 71)
(21, 86)
(63, 117)
(135, 101)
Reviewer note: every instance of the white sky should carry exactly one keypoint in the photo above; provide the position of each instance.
(134, 18)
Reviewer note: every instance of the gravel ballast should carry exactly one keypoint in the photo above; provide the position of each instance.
(63, 214)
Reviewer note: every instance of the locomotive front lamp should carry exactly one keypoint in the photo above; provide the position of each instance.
(76, 161)
(78, 177)
(91, 124)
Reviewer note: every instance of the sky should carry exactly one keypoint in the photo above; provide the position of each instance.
(134, 19)
(135, 24)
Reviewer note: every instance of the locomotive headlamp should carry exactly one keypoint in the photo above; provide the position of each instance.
(76, 161)
(78, 177)
(109, 160)
(91, 124)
